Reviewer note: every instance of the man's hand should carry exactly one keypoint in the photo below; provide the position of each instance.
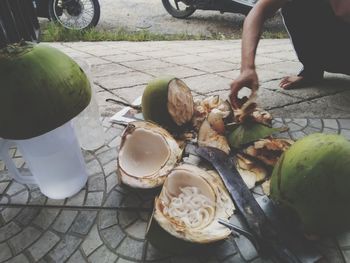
(247, 78)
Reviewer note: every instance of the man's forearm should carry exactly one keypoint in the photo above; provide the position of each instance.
(253, 27)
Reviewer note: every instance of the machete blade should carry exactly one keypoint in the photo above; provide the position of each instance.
(271, 240)
(235, 185)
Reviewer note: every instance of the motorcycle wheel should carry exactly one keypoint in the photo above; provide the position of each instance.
(75, 14)
(178, 9)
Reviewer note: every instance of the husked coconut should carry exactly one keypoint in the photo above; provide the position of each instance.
(180, 102)
(147, 154)
(268, 150)
(207, 136)
(251, 171)
(168, 102)
(190, 204)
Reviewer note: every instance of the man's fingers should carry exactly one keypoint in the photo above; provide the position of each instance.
(235, 88)
(283, 81)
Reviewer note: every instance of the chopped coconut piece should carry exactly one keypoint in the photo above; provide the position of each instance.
(266, 187)
(207, 136)
(202, 108)
(268, 150)
(216, 120)
(251, 171)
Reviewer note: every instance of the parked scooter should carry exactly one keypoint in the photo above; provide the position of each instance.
(185, 8)
(72, 14)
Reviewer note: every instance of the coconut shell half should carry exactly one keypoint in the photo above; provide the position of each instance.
(147, 154)
(207, 186)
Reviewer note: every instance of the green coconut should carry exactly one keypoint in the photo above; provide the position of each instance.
(41, 88)
(168, 102)
(312, 180)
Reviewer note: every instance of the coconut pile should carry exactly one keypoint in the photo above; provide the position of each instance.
(192, 198)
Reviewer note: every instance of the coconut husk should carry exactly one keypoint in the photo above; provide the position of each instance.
(207, 136)
(268, 150)
(202, 108)
(251, 170)
(266, 187)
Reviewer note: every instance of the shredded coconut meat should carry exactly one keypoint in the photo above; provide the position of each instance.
(191, 207)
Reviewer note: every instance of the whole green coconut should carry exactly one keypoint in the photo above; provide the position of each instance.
(168, 102)
(41, 88)
(312, 179)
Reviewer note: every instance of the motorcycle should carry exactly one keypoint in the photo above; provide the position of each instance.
(185, 8)
(71, 14)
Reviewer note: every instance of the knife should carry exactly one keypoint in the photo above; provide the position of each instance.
(271, 241)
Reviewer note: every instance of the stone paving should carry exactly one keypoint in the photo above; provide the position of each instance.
(122, 69)
(106, 221)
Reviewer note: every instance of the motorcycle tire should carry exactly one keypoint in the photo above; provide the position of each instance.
(57, 14)
(178, 13)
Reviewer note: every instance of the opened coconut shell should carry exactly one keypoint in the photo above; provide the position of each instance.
(147, 154)
(168, 102)
(190, 203)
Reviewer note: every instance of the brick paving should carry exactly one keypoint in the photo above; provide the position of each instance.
(106, 221)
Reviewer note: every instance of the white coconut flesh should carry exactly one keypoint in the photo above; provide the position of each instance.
(180, 102)
(147, 154)
(144, 153)
(190, 204)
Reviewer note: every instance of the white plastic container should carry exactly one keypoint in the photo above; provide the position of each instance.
(87, 124)
(55, 160)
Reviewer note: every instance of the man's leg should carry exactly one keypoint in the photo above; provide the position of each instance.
(337, 58)
(315, 33)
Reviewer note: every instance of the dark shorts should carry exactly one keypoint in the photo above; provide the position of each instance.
(320, 39)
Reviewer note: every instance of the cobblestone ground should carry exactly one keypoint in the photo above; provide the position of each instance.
(106, 222)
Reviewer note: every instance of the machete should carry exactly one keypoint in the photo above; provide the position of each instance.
(271, 242)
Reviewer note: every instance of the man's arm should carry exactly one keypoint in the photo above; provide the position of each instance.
(341, 9)
(250, 38)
